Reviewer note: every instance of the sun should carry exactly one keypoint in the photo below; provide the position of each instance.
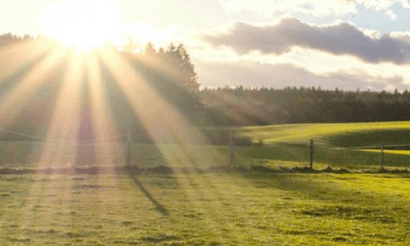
(84, 24)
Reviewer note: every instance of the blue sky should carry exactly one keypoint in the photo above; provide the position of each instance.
(348, 44)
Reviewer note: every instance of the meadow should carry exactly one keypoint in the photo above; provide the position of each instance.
(246, 206)
(204, 209)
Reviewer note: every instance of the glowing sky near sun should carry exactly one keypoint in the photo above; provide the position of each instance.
(362, 44)
(90, 25)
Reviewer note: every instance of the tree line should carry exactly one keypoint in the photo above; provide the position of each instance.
(261, 106)
(9, 38)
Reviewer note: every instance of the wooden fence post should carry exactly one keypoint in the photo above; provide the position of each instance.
(129, 141)
(232, 151)
(311, 154)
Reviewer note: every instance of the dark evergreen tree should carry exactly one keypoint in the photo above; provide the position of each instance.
(171, 73)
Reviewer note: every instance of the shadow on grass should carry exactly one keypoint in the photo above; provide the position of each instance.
(308, 184)
(371, 138)
(334, 188)
(158, 206)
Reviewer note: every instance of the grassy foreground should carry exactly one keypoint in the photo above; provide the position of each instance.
(205, 209)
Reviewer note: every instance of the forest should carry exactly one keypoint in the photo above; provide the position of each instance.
(261, 106)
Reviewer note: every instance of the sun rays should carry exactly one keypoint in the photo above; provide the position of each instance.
(83, 95)
(102, 122)
(27, 84)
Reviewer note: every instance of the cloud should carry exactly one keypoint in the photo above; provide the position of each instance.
(266, 9)
(254, 74)
(382, 4)
(391, 14)
(340, 39)
(318, 8)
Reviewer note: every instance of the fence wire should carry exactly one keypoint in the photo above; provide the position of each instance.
(112, 150)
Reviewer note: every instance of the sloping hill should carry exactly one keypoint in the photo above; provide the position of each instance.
(332, 134)
(338, 144)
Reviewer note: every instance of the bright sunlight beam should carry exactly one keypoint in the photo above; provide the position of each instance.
(16, 57)
(103, 124)
(84, 24)
(16, 98)
(66, 117)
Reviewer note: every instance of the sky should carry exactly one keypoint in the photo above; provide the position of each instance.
(344, 44)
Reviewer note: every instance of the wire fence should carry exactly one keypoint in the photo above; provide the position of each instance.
(63, 141)
(319, 156)
(120, 150)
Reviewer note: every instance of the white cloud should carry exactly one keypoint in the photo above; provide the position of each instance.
(266, 9)
(405, 36)
(391, 14)
(317, 8)
(371, 33)
(382, 4)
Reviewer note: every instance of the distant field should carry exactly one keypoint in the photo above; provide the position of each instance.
(205, 209)
(333, 134)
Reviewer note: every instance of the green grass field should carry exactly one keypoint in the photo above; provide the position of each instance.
(334, 134)
(220, 208)
(205, 209)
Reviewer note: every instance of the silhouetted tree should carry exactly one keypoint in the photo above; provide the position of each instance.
(171, 73)
(9, 38)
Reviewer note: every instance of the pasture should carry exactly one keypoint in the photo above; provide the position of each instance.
(246, 206)
(204, 209)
